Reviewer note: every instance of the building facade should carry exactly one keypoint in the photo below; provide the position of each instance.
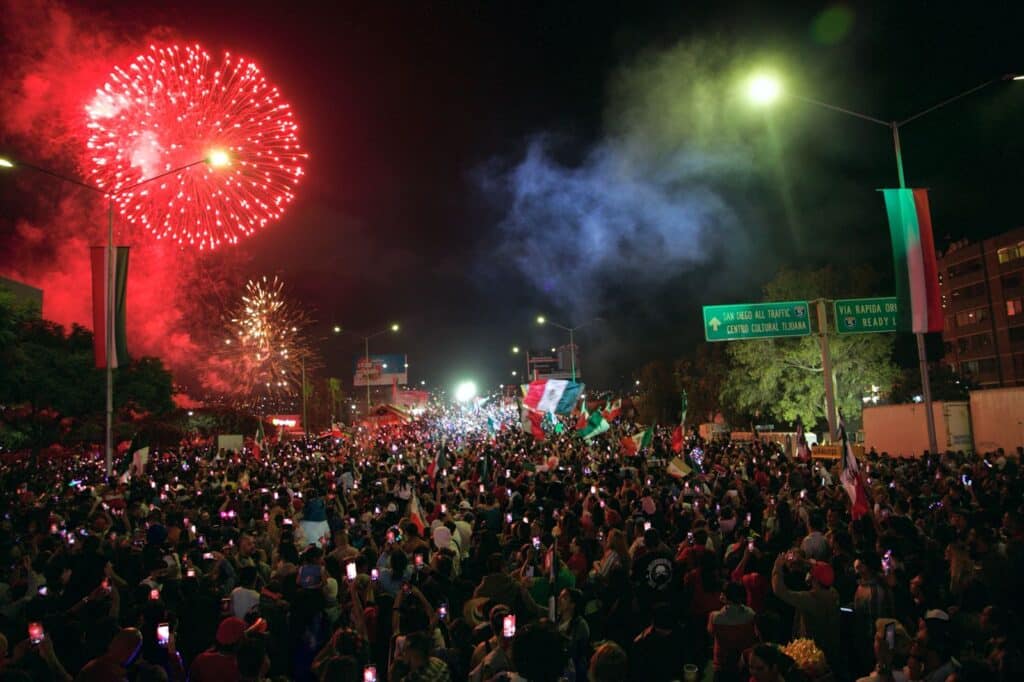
(982, 289)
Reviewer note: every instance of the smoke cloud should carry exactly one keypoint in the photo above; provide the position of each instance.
(56, 57)
(660, 194)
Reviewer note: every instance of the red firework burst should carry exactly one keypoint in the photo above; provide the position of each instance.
(173, 106)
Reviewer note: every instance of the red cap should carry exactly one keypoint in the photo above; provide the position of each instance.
(230, 631)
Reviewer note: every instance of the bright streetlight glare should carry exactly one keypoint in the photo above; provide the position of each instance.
(515, 349)
(465, 391)
(554, 350)
(764, 89)
(219, 158)
(514, 373)
(394, 327)
(540, 319)
(6, 163)
(423, 382)
(337, 329)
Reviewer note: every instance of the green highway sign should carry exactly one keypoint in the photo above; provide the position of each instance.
(756, 320)
(867, 315)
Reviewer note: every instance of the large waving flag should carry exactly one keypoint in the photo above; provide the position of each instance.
(581, 423)
(553, 395)
(638, 441)
(913, 252)
(101, 284)
(596, 425)
(851, 478)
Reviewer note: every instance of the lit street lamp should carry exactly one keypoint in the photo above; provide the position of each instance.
(215, 158)
(765, 89)
(541, 320)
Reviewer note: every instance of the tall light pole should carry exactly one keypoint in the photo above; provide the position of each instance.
(765, 89)
(541, 320)
(366, 352)
(215, 158)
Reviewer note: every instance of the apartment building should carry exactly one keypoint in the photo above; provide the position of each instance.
(982, 287)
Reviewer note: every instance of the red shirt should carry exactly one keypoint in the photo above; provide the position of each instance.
(213, 666)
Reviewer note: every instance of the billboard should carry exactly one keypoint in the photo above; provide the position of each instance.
(380, 370)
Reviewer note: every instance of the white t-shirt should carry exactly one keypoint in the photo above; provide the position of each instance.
(242, 601)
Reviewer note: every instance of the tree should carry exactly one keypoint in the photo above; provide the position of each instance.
(658, 395)
(945, 385)
(783, 377)
(701, 375)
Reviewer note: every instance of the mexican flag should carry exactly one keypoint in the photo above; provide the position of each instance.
(581, 423)
(913, 252)
(677, 468)
(677, 439)
(851, 478)
(613, 409)
(553, 395)
(257, 442)
(532, 423)
(102, 281)
(596, 425)
(638, 441)
(438, 464)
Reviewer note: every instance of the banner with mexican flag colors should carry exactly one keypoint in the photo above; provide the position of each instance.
(101, 283)
(913, 254)
(553, 395)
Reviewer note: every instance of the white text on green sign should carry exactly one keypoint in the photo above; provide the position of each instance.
(756, 320)
(867, 315)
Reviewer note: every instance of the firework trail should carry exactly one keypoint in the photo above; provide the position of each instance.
(266, 343)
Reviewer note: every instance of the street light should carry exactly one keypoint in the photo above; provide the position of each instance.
(215, 158)
(764, 88)
(515, 349)
(366, 350)
(572, 331)
(759, 95)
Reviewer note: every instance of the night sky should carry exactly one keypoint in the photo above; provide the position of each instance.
(474, 164)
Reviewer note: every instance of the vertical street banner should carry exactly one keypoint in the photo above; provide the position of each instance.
(380, 370)
(101, 281)
(913, 254)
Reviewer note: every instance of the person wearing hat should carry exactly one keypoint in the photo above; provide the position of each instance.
(817, 609)
(219, 663)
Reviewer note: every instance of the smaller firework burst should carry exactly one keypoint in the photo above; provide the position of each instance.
(266, 343)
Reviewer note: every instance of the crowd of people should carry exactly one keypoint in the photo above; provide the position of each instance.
(460, 548)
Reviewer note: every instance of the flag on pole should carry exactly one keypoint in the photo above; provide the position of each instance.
(596, 425)
(100, 298)
(581, 423)
(553, 395)
(613, 409)
(677, 468)
(850, 477)
(257, 443)
(638, 441)
(683, 407)
(803, 452)
(677, 439)
(416, 515)
(913, 250)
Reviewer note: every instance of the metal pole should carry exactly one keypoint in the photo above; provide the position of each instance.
(922, 353)
(826, 368)
(109, 341)
(305, 416)
(366, 374)
(572, 354)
